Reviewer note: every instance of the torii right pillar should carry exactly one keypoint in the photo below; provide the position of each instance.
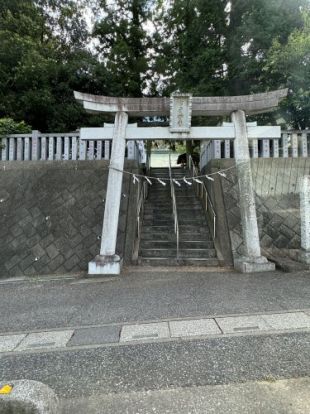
(252, 259)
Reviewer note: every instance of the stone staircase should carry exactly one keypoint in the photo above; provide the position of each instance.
(158, 239)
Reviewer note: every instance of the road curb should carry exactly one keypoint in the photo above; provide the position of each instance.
(27, 397)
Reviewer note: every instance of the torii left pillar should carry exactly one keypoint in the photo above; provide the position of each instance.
(108, 262)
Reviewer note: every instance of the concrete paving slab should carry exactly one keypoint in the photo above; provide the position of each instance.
(144, 332)
(292, 320)
(9, 342)
(44, 340)
(93, 336)
(241, 324)
(194, 327)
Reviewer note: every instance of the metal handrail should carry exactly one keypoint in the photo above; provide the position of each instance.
(174, 207)
(202, 193)
(142, 195)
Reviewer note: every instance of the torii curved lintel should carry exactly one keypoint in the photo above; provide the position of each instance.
(201, 106)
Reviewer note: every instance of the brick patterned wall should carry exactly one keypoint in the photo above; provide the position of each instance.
(51, 215)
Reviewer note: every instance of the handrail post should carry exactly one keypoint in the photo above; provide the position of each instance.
(174, 207)
(203, 195)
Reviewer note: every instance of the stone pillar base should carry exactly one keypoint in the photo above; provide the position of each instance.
(304, 256)
(105, 265)
(253, 264)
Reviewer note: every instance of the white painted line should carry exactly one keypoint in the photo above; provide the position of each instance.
(293, 320)
(143, 332)
(197, 327)
(9, 342)
(45, 340)
(242, 324)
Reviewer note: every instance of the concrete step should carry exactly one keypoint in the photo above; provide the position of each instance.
(181, 203)
(183, 253)
(162, 190)
(182, 214)
(185, 218)
(183, 191)
(166, 244)
(197, 223)
(159, 187)
(158, 208)
(183, 195)
(159, 193)
(195, 208)
(157, 236)
(158, 261)
(183, 229)
(158, 202)
(159, 199)
(160, 175)
(182, 210)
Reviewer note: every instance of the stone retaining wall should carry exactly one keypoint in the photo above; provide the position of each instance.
(276, 185)
(51, 215)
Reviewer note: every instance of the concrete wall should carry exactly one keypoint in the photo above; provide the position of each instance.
(277, 203)
(51, 215)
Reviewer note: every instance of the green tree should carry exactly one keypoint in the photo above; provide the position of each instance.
(188, 43)
(123, 45)
(252, 27)
(288, 65)
(223, 47)
(43, 58)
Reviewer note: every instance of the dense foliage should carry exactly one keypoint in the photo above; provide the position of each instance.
(48, 48)
(9, 126)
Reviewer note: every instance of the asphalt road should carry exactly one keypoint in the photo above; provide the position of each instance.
(76, 374)
(137, 296)
(242, 373)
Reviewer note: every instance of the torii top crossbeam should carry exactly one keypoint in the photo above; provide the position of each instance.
(200, 106)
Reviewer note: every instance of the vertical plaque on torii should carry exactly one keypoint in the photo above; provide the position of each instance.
(180, 112)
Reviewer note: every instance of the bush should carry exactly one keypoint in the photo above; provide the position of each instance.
(9, 126)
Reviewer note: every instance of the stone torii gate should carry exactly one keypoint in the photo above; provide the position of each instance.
(181, 108)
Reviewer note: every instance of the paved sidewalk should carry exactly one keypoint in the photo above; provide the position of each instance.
(118, 334)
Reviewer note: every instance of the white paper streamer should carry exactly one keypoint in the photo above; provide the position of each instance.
(187, 182)
(161, 182)
(177, 182)
(209, 178)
